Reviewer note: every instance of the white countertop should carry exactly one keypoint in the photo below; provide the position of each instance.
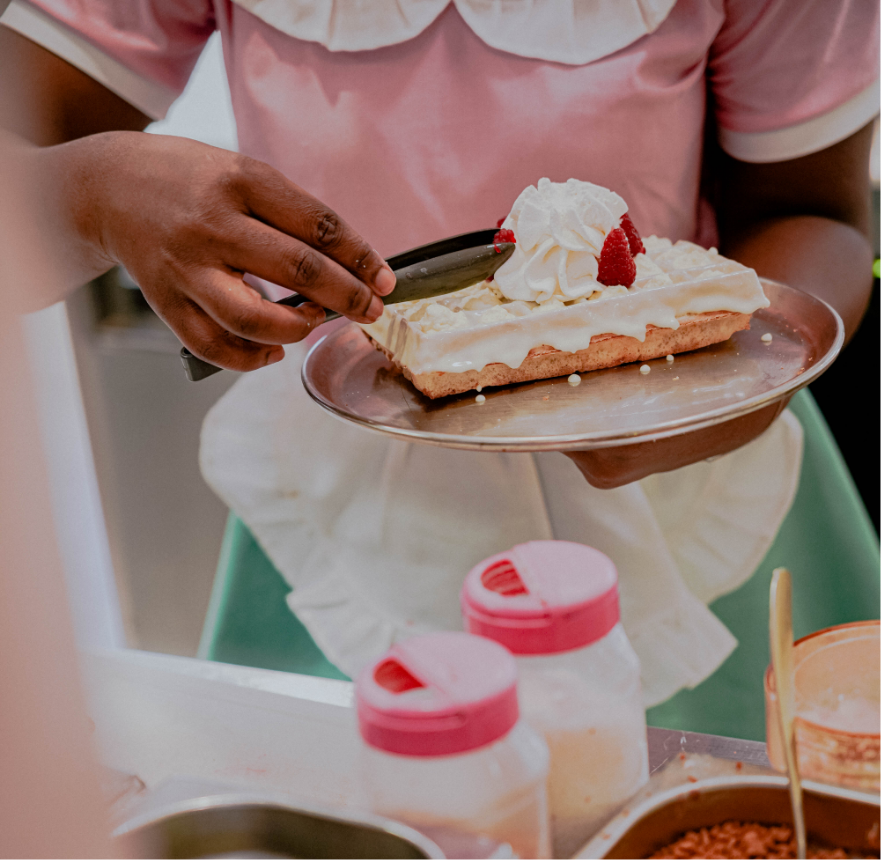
(161, 717)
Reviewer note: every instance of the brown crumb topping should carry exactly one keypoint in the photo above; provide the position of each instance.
(743, 839)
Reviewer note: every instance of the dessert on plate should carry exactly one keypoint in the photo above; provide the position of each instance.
(582, 291)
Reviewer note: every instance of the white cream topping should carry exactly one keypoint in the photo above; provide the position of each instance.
(480, 325)
(484, 304)
(656, 245)
(560, 229)
(685, 255)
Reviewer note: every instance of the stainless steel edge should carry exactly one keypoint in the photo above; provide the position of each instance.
(281, 801)
(667, 744)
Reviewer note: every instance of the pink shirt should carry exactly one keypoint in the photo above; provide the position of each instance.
(438, 134)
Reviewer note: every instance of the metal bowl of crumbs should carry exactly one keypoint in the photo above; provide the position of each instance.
(840, 822)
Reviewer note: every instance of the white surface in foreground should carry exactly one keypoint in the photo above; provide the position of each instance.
(76, 502)
(159, 716)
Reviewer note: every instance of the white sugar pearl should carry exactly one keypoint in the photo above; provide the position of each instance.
(645, 369)
(574, 380)
(767, 338)
(669, 358)
(479, 389)
(480, 398)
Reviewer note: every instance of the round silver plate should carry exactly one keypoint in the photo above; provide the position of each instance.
(346, 375)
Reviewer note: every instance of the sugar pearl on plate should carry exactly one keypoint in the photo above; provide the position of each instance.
(480, 398)
(669, 358)
(645, 369)
(767, 338)
(574, 380)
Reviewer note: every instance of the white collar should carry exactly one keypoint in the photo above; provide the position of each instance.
(562, 31)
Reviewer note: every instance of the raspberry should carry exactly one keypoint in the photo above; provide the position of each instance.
(616, 263)
(636, 246)
(503, 236)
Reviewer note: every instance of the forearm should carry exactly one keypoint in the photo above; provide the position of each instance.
(827, 258)
(45, 100)
(44, 103)
(46, 185)
(804, 222)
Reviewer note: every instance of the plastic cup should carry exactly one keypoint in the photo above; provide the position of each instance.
(837, 710)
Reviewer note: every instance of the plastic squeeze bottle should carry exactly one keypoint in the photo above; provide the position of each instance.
(554, 604)
(445, 750)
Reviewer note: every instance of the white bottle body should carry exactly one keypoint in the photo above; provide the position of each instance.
(587, 704)
(496, 792)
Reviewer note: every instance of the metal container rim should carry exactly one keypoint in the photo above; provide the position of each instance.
(270, 800)
(618, 827)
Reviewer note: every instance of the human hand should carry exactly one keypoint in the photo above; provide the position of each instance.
(607, 468)
(188, 221)
(803, 222)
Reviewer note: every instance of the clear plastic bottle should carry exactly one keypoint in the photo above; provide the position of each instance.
(445, 749)
(554, 604)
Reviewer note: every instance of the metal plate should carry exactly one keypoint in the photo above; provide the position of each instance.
(266, 825)
(617, 406)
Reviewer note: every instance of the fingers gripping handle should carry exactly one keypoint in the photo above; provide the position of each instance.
(197, 369)
(430, 270)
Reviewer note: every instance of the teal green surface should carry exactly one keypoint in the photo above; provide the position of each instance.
(248, 620)
(829, 545)
(827, 541)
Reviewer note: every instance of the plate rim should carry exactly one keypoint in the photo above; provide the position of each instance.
(589, 441)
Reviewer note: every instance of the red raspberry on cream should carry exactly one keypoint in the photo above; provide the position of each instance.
(616, 262)
(633, 237)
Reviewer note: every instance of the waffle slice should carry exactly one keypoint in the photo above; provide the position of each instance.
(684, 298)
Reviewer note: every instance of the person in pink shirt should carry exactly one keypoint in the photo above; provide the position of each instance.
(740, 124)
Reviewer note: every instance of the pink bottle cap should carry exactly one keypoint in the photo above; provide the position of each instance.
(437, 694)
(542, 597)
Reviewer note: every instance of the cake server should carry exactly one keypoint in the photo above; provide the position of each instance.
(422, 273)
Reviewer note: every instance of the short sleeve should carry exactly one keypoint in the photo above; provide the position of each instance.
(791, 77)
(143, 50)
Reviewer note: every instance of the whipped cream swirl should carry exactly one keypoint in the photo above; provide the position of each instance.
(560, 229)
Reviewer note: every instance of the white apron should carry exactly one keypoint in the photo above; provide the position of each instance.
(375, 535)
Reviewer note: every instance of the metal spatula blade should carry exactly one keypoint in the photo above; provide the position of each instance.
(422, 273)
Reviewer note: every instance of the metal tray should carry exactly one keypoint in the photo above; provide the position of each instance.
(256, 825)
(616, 406)
(835, 816)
